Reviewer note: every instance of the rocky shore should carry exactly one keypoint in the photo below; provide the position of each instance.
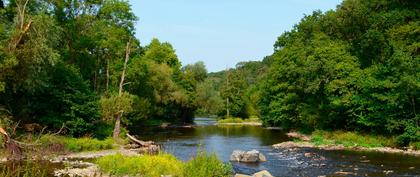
(306, 143)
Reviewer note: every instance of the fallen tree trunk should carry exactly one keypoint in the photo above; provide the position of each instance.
(139, 142)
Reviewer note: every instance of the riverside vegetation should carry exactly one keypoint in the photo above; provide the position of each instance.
(347, 76)
(155, 165)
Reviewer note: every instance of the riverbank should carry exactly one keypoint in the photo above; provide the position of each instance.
(121, 163)
(345, 141)
(240, 121)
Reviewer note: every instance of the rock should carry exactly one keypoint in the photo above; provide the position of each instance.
(291, 144)
(308, 154)
(236, 155)
(248, 157)
(74, 172)
(242, 175)
(299, 136)
(387, 172)
(251, 156)
(132, 146)
(345, 173)
(262, 158)
(263, 173)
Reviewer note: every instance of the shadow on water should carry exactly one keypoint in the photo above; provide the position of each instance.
(222, 140)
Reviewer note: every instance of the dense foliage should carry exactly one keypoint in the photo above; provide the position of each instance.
(78, 64)
(354, 68)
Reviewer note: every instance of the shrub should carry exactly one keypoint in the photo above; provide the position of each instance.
(88, 144)
(231, 120)
(202, 165)
(415, 145)
(206, 165)
(238, 120)
(25, 169)
(146, 165)
(411, 134)
(77, 144)
(351, 139)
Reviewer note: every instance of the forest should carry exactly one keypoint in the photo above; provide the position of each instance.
(78, 64)
(74, 77)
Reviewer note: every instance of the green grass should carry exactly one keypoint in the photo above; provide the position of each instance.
(415, 145)
(352, 139)
(146, 165)
(76, 144)
(163, 164)
(206, 165)
(27, 169)
(238, 120)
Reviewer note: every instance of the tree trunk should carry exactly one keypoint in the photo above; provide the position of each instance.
(127, 57)
(117, 128)
(120, 91)
(1, 4)
(107, 74)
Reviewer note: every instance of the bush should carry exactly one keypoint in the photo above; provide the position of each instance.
(206, 165)
(231, 120)
(351, 139)
(411, 134)
(238, 120)
(103, 130)
(202, 165)
(88, 144)
(23, 169)
(77, 144)
(415, 145)
(146, 165)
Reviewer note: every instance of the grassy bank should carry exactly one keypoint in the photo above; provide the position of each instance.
(163, 164)
(238, 120)
(61, 144)
(78, 144)
(26, 169)
(353, 139)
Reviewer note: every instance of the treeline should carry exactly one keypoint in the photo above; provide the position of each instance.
(355, 68)
(234, 89)
(78, 64)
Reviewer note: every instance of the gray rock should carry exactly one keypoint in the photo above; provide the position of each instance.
(236, 155)
(248, 157)
(263, 173)
(262, 158)
(242, 175)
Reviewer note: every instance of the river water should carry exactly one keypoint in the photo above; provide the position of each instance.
(185, 142)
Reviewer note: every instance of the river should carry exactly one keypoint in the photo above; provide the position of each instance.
(185, 142)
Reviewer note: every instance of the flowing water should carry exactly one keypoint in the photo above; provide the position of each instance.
(185, 142)
(222, 140)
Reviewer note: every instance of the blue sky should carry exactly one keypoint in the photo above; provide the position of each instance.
(221, 32)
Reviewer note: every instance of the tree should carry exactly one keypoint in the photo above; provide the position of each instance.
(114, 106)
(354, 68)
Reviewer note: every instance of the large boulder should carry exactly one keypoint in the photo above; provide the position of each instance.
(263, 173)
(247, 156)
